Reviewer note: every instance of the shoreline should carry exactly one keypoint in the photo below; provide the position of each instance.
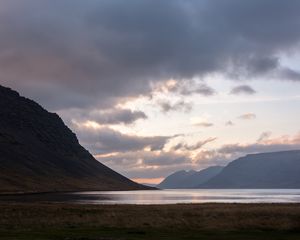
(71, 191)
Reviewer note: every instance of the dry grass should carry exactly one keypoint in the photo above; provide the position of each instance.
(227, 217)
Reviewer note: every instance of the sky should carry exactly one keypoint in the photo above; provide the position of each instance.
(153, 87)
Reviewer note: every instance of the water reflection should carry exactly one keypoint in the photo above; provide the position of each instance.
(192, 196)
(165, 197)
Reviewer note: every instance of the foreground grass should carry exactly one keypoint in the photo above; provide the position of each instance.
(184, 221)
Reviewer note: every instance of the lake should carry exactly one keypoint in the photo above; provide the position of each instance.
(164, 196)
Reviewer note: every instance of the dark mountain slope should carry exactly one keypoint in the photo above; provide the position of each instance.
(174, 180)
(189, 179)
(39, 153)
(264, 170)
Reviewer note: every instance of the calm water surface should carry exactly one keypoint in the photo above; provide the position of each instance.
(166, 197)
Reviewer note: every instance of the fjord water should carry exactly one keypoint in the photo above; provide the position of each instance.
(192, 196)
(166, 196)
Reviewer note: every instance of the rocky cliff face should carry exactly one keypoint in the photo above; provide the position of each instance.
(39, 153)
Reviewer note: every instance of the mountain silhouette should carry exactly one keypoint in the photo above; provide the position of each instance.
(39, 153)
(264, 170)
(189, 179)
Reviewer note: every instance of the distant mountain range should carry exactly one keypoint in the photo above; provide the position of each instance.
(264, 170)
(39, 153)
(189, 179)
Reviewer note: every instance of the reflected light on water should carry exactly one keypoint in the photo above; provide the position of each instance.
(164, 196)
(191, 196)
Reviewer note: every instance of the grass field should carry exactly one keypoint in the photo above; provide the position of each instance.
(186, 221)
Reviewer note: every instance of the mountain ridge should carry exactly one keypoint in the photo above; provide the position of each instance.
(39, 153)
(262, 170)
(189, 179)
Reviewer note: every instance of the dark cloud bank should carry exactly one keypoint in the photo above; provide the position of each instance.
(72, 53)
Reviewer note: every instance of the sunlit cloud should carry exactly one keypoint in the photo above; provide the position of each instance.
(202, 121)
(184, 87)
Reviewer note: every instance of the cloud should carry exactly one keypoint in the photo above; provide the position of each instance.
(112, 116)
(202, 121)
(247, 116)
(229, 123)
(243, 89)
(262, 65)
(201, 89)
(105, 140)
(73, 53)
(206, 158)
(229, 152)
(145, 164)
(156, 164)
(203, 124)
(187, 88)
(264, 136)
(117, 116)
(234, 149)
(91, 55)
(290, 74)
(198, 145)
(166, 106)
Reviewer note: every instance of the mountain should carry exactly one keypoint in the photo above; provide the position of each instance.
(189, 179)
(175, 179)
(39, 153)
(264, 170)
(149, 185)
